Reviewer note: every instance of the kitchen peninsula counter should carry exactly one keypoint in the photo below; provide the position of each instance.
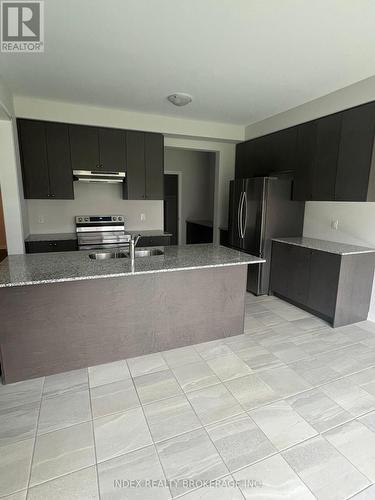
(65, 311)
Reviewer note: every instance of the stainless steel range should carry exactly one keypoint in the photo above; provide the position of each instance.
(101, 231)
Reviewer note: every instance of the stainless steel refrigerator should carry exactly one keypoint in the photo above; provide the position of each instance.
(261, 208)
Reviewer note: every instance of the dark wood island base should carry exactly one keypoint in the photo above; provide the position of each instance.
(56, 327)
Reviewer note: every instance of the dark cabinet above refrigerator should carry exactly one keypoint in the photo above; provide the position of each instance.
(331, 157)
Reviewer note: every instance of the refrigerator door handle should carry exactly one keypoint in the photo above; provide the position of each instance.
(245, 221)
(238, 216)
(241, 214)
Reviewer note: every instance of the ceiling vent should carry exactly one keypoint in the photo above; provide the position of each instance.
(180, 99)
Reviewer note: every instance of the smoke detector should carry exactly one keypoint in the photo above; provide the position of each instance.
(180, 98)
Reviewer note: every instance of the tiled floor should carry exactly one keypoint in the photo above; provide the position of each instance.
(285, 411)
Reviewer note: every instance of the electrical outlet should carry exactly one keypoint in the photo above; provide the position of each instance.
(41, 219)
(335, 225)
(143, 217)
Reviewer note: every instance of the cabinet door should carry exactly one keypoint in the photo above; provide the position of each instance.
(281, 265)
(51, 246)
(84, 147)
(305, 157)
(325, 165)
(135, 184)
(34, 159)
(112, 149)
(59, 164)
(154, 164)
(299, 276)
(324, 277)
(242, 169)
(282, 151)
(355, 153)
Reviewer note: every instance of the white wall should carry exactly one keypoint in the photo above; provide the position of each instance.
(197, 182)
(356, 220)
(93, 199)
(347, 97)
(44, 109)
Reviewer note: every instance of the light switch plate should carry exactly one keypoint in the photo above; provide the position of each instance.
(335, 224)
(41, 219)
(143, 217)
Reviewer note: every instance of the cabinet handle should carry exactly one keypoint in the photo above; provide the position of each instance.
(52, 195)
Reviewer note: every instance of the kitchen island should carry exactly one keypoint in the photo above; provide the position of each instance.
(64, 311)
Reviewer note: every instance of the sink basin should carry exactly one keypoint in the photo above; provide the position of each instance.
(107, 255)
(148, 252)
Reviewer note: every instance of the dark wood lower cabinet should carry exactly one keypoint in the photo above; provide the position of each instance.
(198, 233)
(51, 246)
(335, 287)
(154, 241)
(324, 274)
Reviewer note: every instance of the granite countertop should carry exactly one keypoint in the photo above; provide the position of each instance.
(325, 246)
(73, 236)
(201, 222)
(150, 232)
(51, 237)
(40, 268)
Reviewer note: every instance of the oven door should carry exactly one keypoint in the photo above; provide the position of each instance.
(110, 239)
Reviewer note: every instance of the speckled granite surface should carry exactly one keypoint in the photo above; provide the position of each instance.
(73, 236)
(150, 232)
(51, 237)
(39, 268)
(325, 246)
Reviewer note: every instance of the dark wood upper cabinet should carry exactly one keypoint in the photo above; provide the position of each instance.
(32, 141)
(331, 157)
(145, 166)
(84, 146)
(305, 157)
(112, 149)
(325, 161)
(154, 166)
(98, 149)
(355, 153)
(242, 168)
(59, 164)
(281, 151)
(45, 158)
(134, 186)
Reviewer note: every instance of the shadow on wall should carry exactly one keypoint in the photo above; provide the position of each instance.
(3, 242)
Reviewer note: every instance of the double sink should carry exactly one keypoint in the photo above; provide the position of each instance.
(121, 255)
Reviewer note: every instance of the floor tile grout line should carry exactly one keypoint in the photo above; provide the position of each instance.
(153, 443)
(205, 430)
(352, 497)
(35, 438)
(94, 443)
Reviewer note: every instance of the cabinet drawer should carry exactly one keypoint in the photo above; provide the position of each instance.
(154, 241)
(51, 246)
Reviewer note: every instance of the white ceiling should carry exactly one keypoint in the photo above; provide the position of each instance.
(242, 60)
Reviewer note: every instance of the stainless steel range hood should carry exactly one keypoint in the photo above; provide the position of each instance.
(98, 176)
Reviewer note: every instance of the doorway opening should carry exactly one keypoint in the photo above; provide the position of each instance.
(3, 241)
(189, 191)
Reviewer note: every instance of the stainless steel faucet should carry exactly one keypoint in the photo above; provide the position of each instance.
(132, 244)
